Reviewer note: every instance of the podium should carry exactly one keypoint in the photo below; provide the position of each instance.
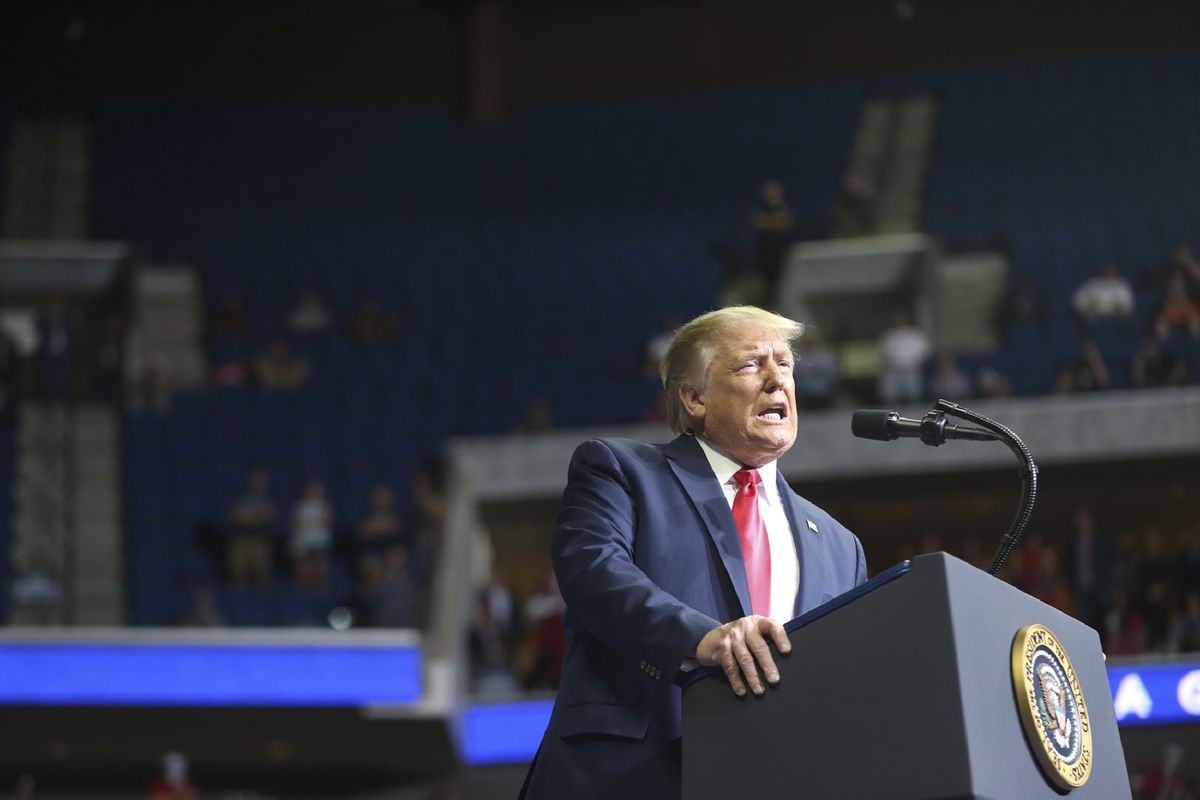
(909, 688)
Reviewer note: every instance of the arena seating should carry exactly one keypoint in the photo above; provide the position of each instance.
(534, 259)
(1069, 164)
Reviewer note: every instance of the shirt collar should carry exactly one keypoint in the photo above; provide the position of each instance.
(723, 467)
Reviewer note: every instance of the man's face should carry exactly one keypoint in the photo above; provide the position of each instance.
(748, 407)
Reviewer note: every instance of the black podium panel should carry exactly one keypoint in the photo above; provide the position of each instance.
(905, 693)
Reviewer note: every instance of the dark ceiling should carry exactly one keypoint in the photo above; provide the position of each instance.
(435, 53)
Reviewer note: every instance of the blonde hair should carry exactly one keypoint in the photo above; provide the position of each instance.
(690, 354)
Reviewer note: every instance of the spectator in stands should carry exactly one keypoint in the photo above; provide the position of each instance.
(204, 612)
(397, 598)
(950, 382)
(973, 552)
(1183, 267)
(903, 349)
(1088, 373)
(1156, 600)
(371, 324)
(1127, 565)
(310, 317)
(816, 374)
(773, 226)
(278, 368)
(1179, 313)
(152, 389)
(230, 317)
(1152, 367)
(312, 538)
(1024, 306)
(229, 329)
(228, 374)
(1168, 780)
(426, 523)
(993, 384)
(1021, 313)
(1028, 559)
(1107, 296)
(252, 531)
(1124, 629)
(1049, 584)
(174, 783)
(499, 599)
(545, 644)
(1090, 566)
(854, 211)
(26, 787)
(378, 532)
(56, 344)
(491, 639)
(1185, 631)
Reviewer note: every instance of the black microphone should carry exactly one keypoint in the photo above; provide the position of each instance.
(933, 430)
(885, 426)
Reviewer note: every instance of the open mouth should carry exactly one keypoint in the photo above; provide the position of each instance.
(774, 413)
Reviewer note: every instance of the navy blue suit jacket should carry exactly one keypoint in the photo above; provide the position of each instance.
(648, 559)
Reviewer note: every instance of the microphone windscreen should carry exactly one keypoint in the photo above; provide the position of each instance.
(869, 423)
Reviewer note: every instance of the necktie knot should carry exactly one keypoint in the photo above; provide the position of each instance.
(747, 480)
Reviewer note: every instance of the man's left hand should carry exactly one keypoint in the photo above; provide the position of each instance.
(740, 648)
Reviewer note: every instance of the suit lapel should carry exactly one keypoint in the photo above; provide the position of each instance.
(810, 551)
(692, 469)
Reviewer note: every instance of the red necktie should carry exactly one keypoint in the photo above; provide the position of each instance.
(756, 550)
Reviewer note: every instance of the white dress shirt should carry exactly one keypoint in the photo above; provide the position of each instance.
(785, 570)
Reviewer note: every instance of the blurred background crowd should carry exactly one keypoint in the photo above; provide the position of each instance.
(327, 282)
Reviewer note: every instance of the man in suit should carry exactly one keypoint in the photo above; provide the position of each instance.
(685, 554)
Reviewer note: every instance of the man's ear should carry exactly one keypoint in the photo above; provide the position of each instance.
(693, 402)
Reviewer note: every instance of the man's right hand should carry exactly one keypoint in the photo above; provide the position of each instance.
(740, 648)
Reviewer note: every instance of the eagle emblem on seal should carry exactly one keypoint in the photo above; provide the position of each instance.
(1057, 720)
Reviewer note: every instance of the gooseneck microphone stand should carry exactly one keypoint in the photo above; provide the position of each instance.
(1028, 471)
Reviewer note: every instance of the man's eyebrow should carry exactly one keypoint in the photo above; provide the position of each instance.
(762, 351)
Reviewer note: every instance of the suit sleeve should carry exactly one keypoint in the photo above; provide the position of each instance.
(605, 591)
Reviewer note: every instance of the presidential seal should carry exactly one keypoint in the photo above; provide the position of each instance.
(1050, 703)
